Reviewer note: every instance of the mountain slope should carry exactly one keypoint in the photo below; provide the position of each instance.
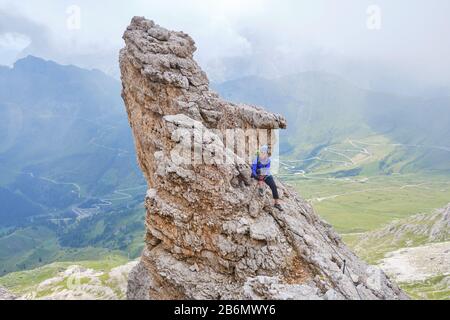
(69, 180)
(414, 251)
(63, 122)
(328, 111)
(413, 231)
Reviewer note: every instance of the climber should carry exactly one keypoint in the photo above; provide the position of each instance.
(261, 172)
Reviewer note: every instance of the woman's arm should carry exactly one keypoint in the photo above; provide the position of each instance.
(255, 168)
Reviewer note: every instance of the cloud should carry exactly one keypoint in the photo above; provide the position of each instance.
(264, 37)
(19, 35)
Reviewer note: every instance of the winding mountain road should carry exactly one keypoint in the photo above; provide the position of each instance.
(82, 213)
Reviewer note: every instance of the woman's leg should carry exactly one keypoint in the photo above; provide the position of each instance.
(271, 183)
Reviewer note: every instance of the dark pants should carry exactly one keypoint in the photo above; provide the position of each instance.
(271, 183)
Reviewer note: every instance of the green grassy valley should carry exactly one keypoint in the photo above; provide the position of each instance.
(120, 232)
(361, 185)
(366, 190)
(70, 187)
(361, 203)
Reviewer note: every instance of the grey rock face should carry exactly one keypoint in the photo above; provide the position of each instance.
(207, 236)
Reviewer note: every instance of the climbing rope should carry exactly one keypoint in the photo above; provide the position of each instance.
(344, 261)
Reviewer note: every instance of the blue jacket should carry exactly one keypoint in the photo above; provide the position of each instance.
(260, 167)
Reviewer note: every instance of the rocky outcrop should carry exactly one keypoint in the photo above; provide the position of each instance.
(6, 295)
(422, 228)
(209, 236)
(414, 231)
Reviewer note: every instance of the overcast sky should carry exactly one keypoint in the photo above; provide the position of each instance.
(271, 38)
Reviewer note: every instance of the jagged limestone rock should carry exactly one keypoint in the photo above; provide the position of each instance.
(208, 236)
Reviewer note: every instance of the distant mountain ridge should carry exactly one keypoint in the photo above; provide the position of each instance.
(66, 160)
(65, 124)
(324, 110)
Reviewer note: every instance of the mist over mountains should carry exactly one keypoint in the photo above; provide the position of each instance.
(70, 186)
(323, 110)
(68, 172)
(65, 136)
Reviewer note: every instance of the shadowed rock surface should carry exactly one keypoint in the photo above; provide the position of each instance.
(209, 236)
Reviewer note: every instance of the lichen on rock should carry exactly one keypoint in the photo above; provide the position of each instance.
(208, 235)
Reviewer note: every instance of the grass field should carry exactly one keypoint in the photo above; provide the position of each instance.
(436, 288)
(37, 246)
(361, 184)
(360, 204)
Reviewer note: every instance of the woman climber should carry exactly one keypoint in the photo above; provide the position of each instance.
(261, 172)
